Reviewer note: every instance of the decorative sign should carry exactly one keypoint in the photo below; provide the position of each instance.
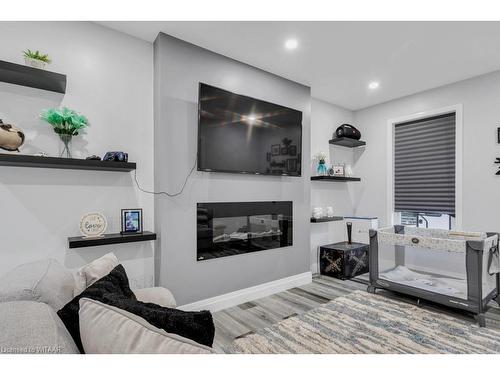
(93, 225)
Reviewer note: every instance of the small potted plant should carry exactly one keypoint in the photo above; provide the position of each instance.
(322, 170)
(66, 123)
(36, 59)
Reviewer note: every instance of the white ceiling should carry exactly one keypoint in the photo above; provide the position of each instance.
(338, 59)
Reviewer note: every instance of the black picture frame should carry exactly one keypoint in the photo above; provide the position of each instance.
(284, 150)
(275, 150)
(498, 135)
(131, 220)
(292, 150)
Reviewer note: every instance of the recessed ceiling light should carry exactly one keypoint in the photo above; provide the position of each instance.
(291, 44)
(251, 118)
(373, 85)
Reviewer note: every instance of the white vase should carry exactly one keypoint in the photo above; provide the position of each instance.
(317, 212)
(34, 63)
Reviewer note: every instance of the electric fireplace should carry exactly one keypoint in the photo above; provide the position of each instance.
(233, 228)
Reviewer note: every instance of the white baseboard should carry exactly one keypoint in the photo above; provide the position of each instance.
(225, 301)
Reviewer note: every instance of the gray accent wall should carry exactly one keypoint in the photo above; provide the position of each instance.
(178, 68)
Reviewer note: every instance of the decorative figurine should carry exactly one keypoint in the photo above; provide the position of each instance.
(11, 138)
(321, 170)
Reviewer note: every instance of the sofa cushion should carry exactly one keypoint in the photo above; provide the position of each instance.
(95, 270)
(113, 289)
(107, 329)
(44, 281)
(33, 327)
(158, 295)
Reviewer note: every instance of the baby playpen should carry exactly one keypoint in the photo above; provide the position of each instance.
(456, 269)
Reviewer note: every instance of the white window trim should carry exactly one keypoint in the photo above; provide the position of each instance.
(458, 109)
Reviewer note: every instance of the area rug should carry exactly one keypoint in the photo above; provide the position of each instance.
(366, 323)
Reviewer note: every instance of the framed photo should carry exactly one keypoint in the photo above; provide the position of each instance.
(292, 150)
(498, 135)
(131, 220)
(338, 170)
(275, 150)
(291, 165)
(284, 150)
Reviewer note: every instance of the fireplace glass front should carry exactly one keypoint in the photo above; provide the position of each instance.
(233, 228)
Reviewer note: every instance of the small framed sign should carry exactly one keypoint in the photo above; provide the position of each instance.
(93, 225)
(131, 220)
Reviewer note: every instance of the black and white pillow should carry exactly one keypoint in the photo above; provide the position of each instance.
(114, 290)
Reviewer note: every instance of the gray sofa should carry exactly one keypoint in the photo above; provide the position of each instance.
(31, 294)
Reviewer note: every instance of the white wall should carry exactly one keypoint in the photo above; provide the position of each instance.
(480, 98)
(110, 80)
(179, 67)
(325, 118)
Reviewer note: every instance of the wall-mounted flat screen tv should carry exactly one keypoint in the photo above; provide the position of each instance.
(239, 134)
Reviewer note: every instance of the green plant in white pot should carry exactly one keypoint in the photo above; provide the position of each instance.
(36, 59)
(66, 123)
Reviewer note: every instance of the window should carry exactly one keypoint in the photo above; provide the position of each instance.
(424, 172)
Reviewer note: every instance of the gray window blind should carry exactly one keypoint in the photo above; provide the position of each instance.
(424, 165)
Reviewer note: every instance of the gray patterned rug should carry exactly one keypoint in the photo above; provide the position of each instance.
(365, 323)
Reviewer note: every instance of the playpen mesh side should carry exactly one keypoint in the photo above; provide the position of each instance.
(419, 260)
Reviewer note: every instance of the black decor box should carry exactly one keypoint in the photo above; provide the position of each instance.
(343, 260)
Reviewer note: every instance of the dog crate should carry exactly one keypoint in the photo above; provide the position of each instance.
(456, 269)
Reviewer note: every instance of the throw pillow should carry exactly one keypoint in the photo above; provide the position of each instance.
(114, 290)
(44, 281)
(106, 329)
(95, 270)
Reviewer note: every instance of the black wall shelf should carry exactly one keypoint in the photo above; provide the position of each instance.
(327, 219)
(346, 142)
(334, 178)
(16, 160)
(110, 239)
(32, 77)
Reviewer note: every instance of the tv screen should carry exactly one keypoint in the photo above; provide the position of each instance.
(239, 134)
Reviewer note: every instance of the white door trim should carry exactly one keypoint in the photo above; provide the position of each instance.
(235, 298)
(458, 109)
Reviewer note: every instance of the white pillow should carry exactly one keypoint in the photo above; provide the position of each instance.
(107, 329)
(90, 273)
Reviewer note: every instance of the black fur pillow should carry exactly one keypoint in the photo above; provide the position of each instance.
(114, 290)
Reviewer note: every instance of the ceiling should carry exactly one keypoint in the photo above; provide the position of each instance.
(339, 59)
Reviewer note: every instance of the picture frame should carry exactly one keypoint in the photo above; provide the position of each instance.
(338, 170)
(131, 221)
(275, 150)
(498, 135)
(284, 150)
(292, 150)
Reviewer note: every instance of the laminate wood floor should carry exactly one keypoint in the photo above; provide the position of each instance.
(251, 316)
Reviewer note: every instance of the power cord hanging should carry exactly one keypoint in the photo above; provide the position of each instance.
(164, 192)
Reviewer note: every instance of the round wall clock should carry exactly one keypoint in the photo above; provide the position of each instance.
(93, 225)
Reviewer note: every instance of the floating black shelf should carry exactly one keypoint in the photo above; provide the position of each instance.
(346, 142)
(110, 239)
(334, 178)
(17, 160)
(32, 77)
(327, 219)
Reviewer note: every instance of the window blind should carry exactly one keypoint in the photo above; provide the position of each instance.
(424, 165)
